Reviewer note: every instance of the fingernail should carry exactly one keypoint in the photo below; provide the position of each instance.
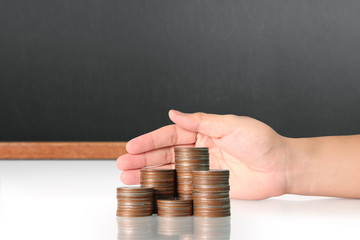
(177, 113)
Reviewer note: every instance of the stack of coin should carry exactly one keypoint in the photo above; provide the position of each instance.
(187, 160)
(211, 193)
(174, 207)
(161, 180)
(134, 201)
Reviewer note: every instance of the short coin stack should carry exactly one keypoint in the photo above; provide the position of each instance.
(134, 202)
(161, 180)
(211, 193)
(186, 161)
(174, 207)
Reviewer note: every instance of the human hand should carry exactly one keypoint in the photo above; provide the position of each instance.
(253, 152)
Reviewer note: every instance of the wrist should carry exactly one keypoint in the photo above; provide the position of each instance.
(298, 170)
(323, 166)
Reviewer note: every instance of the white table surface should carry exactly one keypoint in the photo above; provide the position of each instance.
(77, 200)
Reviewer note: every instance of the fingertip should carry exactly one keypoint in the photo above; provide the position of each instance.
(130, 177)
(120, 162)
(173, 114)
(188, 121)
(124, 178)
(131, 146)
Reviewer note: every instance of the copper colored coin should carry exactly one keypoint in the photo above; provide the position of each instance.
(209, 210)
(209, 178)
(186, 196)
(210, 190)
(187, 171)
(133, 203)
(133, 189)
(134, 195)
(212, 172)
(190, 163)
(190, 168)
(210, 195)
(191, 149)
(133, 215)
(224, 212)
(209, 183)
(196, 152)
(157, 171)
(190, 158)
(162, 186)
(206, 186)
(127, 209)
(216, 200)
(153, 183)
(174, 201)
(212, 214)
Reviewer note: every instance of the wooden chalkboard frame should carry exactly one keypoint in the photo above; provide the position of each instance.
(61, 150)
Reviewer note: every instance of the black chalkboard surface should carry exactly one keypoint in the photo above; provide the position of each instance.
(90, 70)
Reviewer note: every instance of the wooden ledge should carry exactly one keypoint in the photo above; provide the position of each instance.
(61, 150)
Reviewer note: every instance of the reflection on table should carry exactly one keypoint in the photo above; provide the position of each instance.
(154, 227)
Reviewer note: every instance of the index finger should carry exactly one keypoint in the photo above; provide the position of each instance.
(167, 136)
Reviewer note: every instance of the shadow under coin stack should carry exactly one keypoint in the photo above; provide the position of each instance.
(174, 207)
(186, 161)
(136, 228)
(134, 202)
(174, 228)
(212, 228)
(161, 180)
(211, 193)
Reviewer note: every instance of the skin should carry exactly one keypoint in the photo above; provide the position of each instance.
(262, 163)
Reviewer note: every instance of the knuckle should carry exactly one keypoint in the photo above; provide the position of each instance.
(200, 115)
(168, 156)
(174, 137)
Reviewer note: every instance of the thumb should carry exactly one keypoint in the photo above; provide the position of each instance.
(212, 125)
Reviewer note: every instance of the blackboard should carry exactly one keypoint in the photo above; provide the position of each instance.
(109, 70)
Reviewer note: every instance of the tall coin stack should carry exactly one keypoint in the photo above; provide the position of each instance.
(134, 202)
(211, 193)
(186, 161)
(161, 180)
